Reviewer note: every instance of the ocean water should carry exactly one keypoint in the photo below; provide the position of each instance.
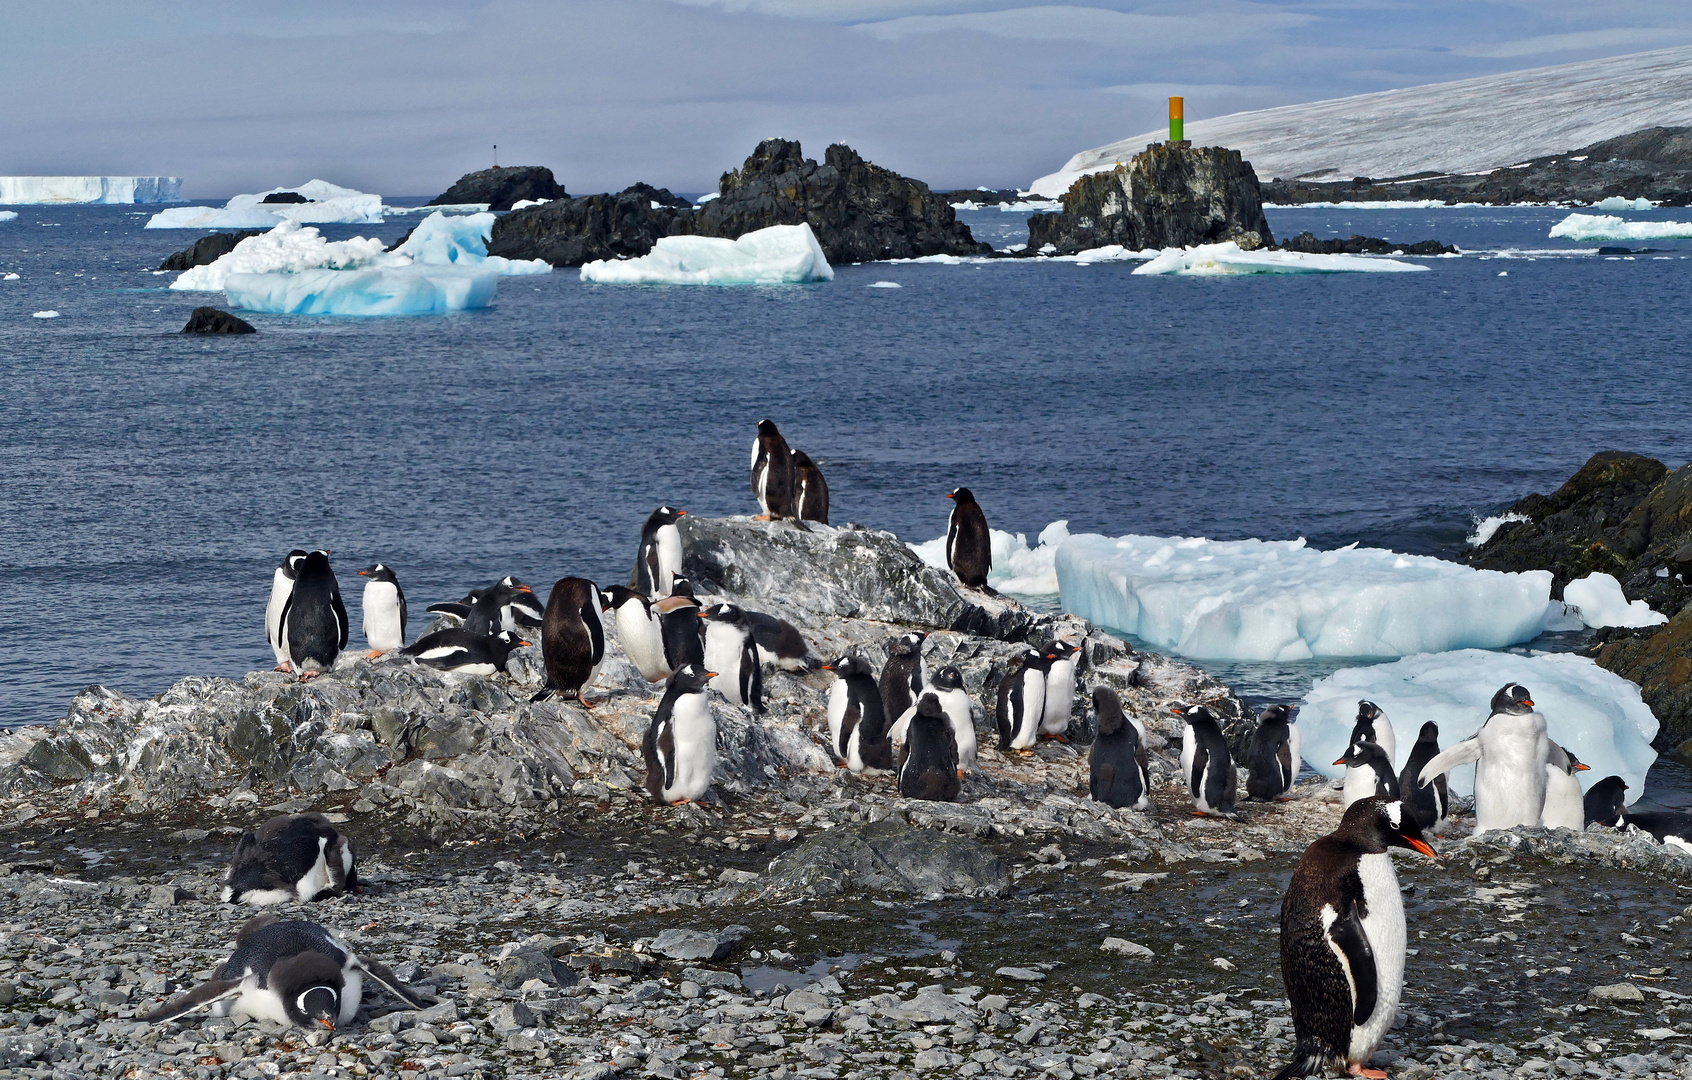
(152, 481)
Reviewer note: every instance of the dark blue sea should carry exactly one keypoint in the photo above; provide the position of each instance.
(152, 481)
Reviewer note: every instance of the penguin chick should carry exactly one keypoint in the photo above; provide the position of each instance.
(1429, 803)
(772, 473)
(572, 639)
(810, 490)
(1606, 802)
(928, 759)
(969, 544)
(1207, 766)
(1118, 775)
(291, 856)
(1272, 758)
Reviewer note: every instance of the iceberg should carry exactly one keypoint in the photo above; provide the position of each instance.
(1616, 202)
(440, 240)
(393, 290)
(1598, 599)
(1017, 569)
(1609, 227)
(327, 204)
(8, 215)
(32, 190)
(1595, 713)
(1214, 260)
(45, 315)
(288, 248)
(778, 255)
(1280, 600)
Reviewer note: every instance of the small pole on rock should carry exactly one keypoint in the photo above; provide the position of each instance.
(1177, 109)
(496, 150)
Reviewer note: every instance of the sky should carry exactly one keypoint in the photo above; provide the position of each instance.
(403, 97)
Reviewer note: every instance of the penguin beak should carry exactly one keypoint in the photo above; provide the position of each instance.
(681, 513)
(710, 674)
(524, 588)
(1422, 846)
(326, 1023)
(828, 667)
(1174, 710)
(364, 573)
(1528, 702)
(1341, 761)
(1582, 768)
(702, 615)
(949, 495)
(525, 643)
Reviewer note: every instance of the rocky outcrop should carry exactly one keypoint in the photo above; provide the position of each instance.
(1170, 195)
(207, 250)
(284, 198)
(570, 232)
(210, 320)
(1659, 659)
(1362, 245)
(500, 187)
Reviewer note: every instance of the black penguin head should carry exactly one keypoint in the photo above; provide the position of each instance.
(315, 564)
(290, 564)
(310, 986)
(929, 706)
(1368, 712)
(849, 664)
(1108, 708)
(802, 460)
(1512, 700)
(907, 645)
(1606, 802)
(1274, 714)
(680, 586)
(961, 495)
(1194, 714)
(690, 679)
(947, 678)
(503, 642)
(1429, 733)
(379, 572)
(1062, 650)
(664, 515)
(1377, 824)
(1365, 753)
(768, 430)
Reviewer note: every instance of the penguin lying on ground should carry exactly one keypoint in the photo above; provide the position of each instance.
(1022, 700)
(969, 544)
(1565, 806)
(928, 758)
(384, 610)
(780, 643)
(1206, 765)
(638, 631)
(772, 473)
(1368, 773)
(289, 972)
(680, 746)
(291, 856)
(1510, 751)
(1430, 804)
(457, 649)
(507, 604)
(947, 687)
(1606, 804)
(1060, 691)
(281, 585)
(1343, 938)
(731, 652)
(659, 561)
(1118, 775)
(904, 674)
(810, 490)
(857, 724)
(1272, 759)
(572, 639)
(314, 621)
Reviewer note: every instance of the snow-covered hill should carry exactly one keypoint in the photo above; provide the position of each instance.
(1472, 125)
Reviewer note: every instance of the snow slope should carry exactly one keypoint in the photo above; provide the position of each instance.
(21, 190)
(1472, 125)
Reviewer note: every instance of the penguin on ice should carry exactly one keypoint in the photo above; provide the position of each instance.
(572, 639)
(1118, 774)
(1206, 765)
(291, 856)
(732, 654)
(903, 675)
(314, 621)
(780, 643)
(1510, 751)
(1343, 938)
(1272, 758)
(638, 631)
(1372, 724)
(289, 972)
(281, 585)
(1060, 691)
(680, 746)
(810, 490)
(947, 687)
(1368, 772)
(928, 759)
(772, 473)
(1606, 802)
(1430, 804)
(660, 560)
(384, 610)
(969, 544)
(457, 649)
(1022, 700)
(857, 724)
(1565, 806)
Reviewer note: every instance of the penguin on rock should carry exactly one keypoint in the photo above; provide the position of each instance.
(519, 608)
(290, 972)
(731, 652)
(1272, 758)
(947, 687)
(1372, 724)
(1565, 806)
(1429, 803)
(679, 626)
(1510, 751)
(572, 639)
(1022, 700)
(1606, 802)
(384, 610)
(781, 644)
(314, 621)
(904, 674)
(772, 473)
(969, 544)
(1060, 691)
(857, 724)
(1368, 772)
(660, 560)
(291, 856)
(281, 586)
(680, 746)
(1118, 775)
(638, 631)
(810, 490)
(928, 758)
(457, 649)
(1206, 765)
(1343, 937)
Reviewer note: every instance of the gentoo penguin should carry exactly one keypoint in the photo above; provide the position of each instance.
(810, 490)
(731, 653)
(314, 621)
(384, 610)
(1606, 802)
(1118, 775)
(1272, 758)
(1206, 765)
(1565, 806)
(969, 546)
(1060, 691)
(679, 627)
(780, 643)
(1429, 804)
(904, 674)
(1671, 827)
(292, 856)
(281, 584)
(507, 604)
(1368, 773)
(947, 687)
(857, 724)
(638, 631)
(1022, 700)
(1510, 751)
(572, 639)
(1372, 724)
(928, 759)
(289, 972)
(772, 473)
(519, 608)
(680, 746)
(457, 649)
(660, 558)
(1343, 937)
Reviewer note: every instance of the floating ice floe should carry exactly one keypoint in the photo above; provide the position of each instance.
(8, 215)
(1109, 253)
(440, 240)
(1609, 227)
(328, 204)
(1017, 568)
(1596, 713)
(778, 255)
(884, 285)
(1211, 260)
(1485, 527)
(45, 315)
(1616, 202)
(399, 290)
(1599, 601)
(10, 277)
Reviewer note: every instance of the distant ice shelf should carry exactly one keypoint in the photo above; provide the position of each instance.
(326, 204)
(36, 190)
(778, 255)
(1223, 260)
(1609, 227)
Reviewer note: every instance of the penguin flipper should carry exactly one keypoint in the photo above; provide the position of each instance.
(547, 689)
(1443, 762)
(206, 993)
(343, 625)
(1347, 935)
(383, 974)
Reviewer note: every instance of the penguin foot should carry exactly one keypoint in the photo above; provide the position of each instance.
(282, 667)
(1357, 1068)
(762, 517)
(680, 802)
(304, 675)
(1056, 738)
(1198, 813)
(960, 774)
(373, 654)
(582, 700)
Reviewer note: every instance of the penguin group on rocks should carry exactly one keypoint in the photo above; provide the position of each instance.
(788, 484)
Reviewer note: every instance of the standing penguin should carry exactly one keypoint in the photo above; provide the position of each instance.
(857, 724)
(281, 585)
(904, 674)
(1430, 804)
(810, 498)
(731, 652)
(1272, 759)
(679, 627)
(314, 621)
(680, 746)
(1606, 802)
(1368, 772)
(1118, 775)
(947, 687)
(519, 608)
(969, 545)
(1206, 765)
(1372, 724)
(772, 473)
(638, 631)
(1060, 692)
(660, 560)
(384, 610)
(928, 760)
(292, 856)
(1565, 806)
(1510, 751)
(1343, 938)
(572, 639)
(1022, 700)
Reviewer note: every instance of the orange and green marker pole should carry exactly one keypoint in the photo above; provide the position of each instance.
(1177, 106)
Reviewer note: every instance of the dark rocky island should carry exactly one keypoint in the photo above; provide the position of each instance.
(502, 186)
(1362, 245)
(207, 249)
(210, 320)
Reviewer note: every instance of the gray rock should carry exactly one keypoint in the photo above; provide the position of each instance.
(1127, 948)
(1021, 974)
(532, 963)
(698, 944)
(888, 856)
(706, 977)
(1616, 992)
(511, 1016)
(167, 895)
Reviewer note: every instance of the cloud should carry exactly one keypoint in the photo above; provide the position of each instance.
(1616, 39)
(1100, 27)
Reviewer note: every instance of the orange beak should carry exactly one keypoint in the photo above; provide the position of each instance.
(1174, 710)
(828, 667)
(326, 1023)
(710, 674)
(1422, 846)
(1341, 761)
(525, 643)
(948, 495)
(1529, 704)
(702, 615)
(681, 513)
(364, 573)
(524, 588)
(1583, 768)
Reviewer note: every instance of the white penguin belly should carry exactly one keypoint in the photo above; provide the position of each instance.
(836, 716)
(669, 558)
(1060, 697)
(957, 708)
(694, 731)
(1384, 927)
(722, 655)
(1510, 775)
(280, 587)
(1033, 710)
(316, 879)
(1189, 752)
(1294, 744)
(260, 1003)
(382, 627)
(352, 993)
(1359, 784)
(642, 641)
(1565, 808)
